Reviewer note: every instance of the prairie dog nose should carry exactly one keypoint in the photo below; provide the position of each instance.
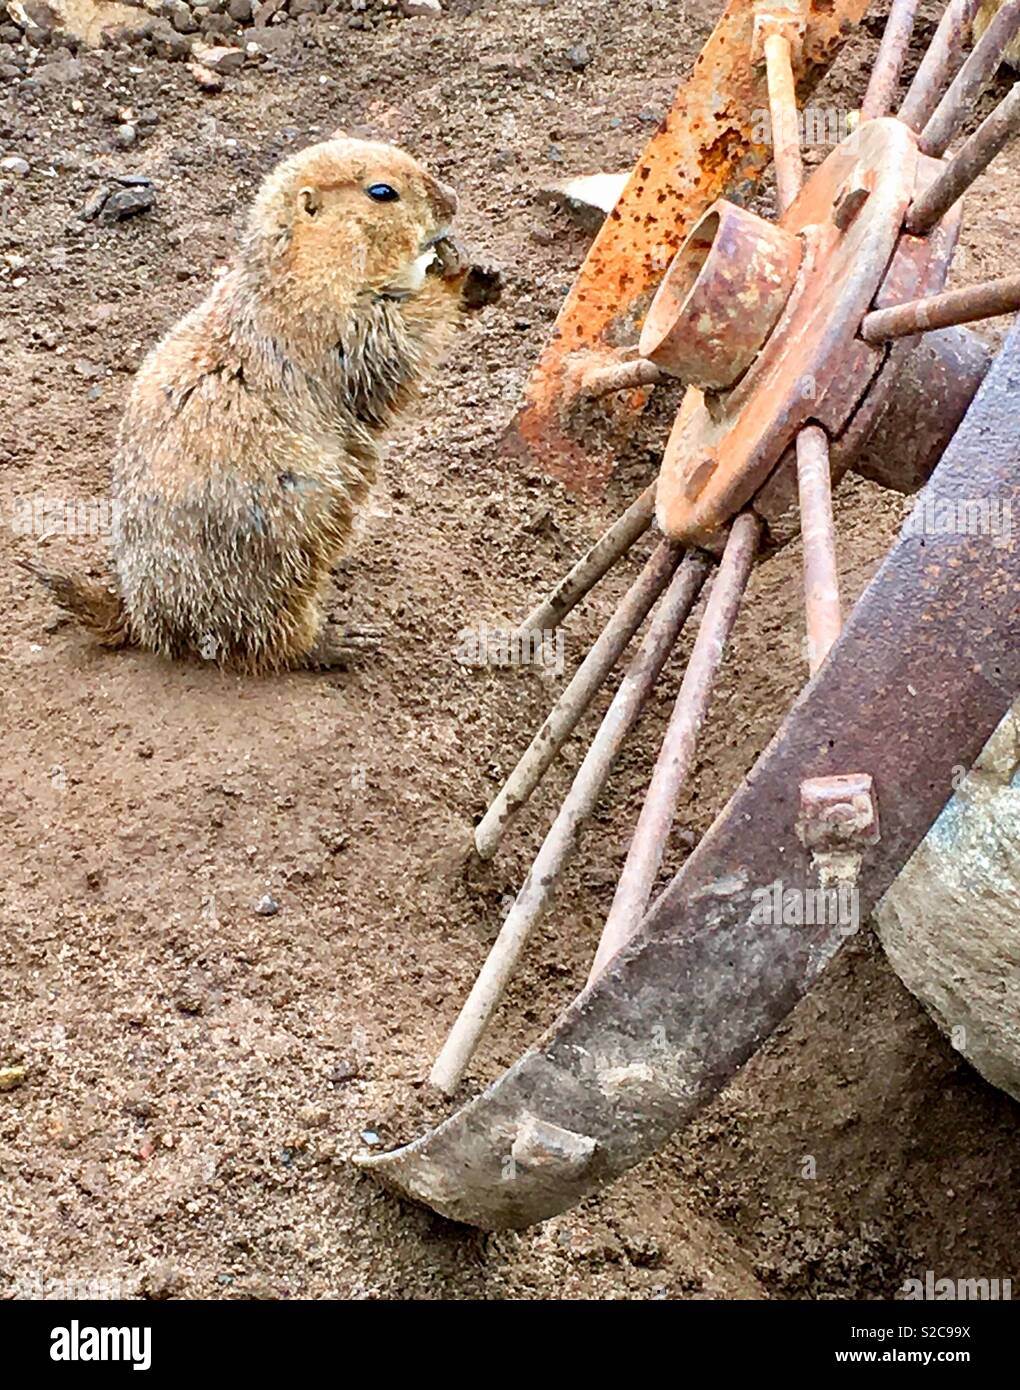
(444, 200)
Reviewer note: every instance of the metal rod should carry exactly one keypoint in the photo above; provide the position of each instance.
(783, 115)
(821, 577)
(621, 376)
(582, 689)
(971, 159)
(628, 702)
(943, 310)
(644, 858)
(596, 562)
(945, 53)
(885, 75)
(971, 80)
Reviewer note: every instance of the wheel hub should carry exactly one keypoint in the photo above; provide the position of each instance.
(812, 366)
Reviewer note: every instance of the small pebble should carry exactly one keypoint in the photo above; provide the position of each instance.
(180, 16)
(267, 906)
(14, 164)
(369, 1136)
(125, 135)
(207, 80)
(11, 1078)
(125, 203)
(222, 59)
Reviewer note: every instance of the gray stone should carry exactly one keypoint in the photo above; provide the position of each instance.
(59, 73)
(950, 925)
(275, 41)
(167, 42)
(180, 16)
(125, 203)
(220, 59)
(95, 201)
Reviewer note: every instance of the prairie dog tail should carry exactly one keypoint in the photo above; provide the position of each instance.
(96, 607)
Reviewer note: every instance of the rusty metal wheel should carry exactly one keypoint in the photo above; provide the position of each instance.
(816, 343)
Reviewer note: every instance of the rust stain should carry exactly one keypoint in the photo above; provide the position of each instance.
(701, 149)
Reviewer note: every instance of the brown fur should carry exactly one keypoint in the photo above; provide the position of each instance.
(97, 607)
(251, 435)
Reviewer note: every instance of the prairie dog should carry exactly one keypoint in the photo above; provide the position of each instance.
(251, 435)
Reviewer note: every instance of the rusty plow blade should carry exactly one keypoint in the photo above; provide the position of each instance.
(924, 669)
(705, 147)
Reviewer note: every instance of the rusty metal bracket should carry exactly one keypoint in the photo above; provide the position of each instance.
(772, 18)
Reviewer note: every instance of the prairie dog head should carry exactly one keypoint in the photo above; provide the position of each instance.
(346, 220)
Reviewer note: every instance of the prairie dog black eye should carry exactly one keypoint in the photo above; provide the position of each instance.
(382, 193)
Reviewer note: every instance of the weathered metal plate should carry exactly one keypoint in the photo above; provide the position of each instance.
(926, 666)
(702, 149)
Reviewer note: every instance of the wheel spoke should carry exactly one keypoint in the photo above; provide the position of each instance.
(939, 63)
(621, 376)
(783, 116)
(885, 75)
(943, 310)
(971, 160)
(582, 689)
(624, 712)
(592, 566)
(971, 80)
(821, 578)
(644, 858)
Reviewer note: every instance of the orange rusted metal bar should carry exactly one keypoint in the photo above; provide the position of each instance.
(821, 577)
(783, 110)
(621, 376)
(712, 141)
(943, 310)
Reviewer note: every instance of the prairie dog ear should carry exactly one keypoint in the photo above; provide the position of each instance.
(309, 200)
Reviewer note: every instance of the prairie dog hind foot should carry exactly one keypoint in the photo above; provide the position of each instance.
(336, 646)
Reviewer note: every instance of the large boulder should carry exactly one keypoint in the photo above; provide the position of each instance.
(950, 924)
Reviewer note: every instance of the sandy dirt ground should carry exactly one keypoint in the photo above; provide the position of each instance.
(197, 1075)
